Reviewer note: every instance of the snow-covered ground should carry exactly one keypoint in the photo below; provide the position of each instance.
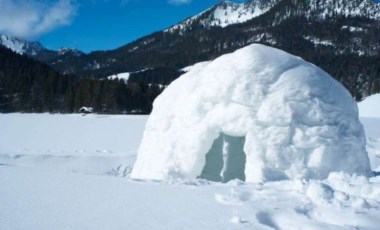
(370, 106)
(71, 172)
(370, 117)
(92, 144)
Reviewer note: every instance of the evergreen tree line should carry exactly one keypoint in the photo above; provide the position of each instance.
(30, 86)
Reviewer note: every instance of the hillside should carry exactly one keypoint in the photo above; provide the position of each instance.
(340, 36)
(27, 85)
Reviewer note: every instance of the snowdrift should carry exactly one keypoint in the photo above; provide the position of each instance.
(291, 119)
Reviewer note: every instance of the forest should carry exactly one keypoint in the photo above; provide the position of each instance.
(29, 86)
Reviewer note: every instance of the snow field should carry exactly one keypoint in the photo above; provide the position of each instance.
(91, 144)
(42, 188)
(39, 199)
(370, 106)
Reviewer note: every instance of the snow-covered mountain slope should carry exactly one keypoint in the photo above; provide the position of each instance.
(297, 26)
(35, 50)
(366, 8)
(69, 51)
(228, 13)
(30, 48)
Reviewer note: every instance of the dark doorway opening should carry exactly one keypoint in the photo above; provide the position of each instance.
(226, 159)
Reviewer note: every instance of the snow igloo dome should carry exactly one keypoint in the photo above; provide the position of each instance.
(258, 114)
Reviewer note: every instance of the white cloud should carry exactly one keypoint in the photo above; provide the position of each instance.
(179, 2)
(31, 18)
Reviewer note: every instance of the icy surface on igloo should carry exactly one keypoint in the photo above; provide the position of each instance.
(298, 122)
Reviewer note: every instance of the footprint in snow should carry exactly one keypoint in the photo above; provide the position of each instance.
(265, 218)
(235, 197)
(104, 151)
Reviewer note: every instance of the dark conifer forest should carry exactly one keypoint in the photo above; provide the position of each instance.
(27, 85)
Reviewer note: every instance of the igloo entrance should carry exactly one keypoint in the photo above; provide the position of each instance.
(225, 160)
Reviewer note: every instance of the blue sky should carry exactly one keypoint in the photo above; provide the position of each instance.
(102, 24)
(92, 24)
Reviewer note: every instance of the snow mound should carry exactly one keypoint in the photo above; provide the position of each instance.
(369, 107)
(292, 118)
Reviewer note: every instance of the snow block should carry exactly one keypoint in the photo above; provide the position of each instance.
(296, 120)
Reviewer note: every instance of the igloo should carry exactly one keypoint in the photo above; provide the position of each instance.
(258, 114)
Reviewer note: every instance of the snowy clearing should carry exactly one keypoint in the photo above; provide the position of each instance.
(71, 172)
(120, 76)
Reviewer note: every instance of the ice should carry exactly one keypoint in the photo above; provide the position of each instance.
(297, 121)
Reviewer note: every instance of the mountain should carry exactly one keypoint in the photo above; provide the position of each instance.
(30, 48)
(35, 50)
(27, 85)
(340, 36)
(224, 14)
(69, 51)
(228, 13)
